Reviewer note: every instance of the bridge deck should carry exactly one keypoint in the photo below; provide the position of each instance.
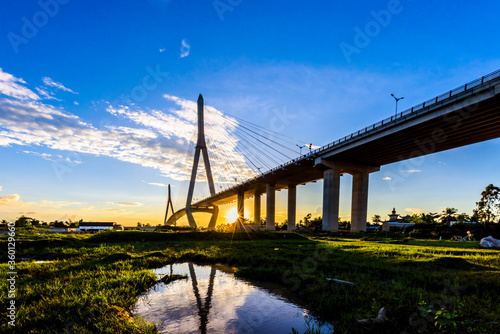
(463, 116)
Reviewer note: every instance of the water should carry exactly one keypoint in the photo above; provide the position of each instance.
(212, 300)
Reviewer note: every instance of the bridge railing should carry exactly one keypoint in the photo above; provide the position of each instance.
(418, 109)
(413, 111)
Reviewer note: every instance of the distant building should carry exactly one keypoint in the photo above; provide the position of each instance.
(95, 226)
(53, 229)
(451, 223)
(395, 223)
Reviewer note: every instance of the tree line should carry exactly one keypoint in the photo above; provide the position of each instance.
(487, 210)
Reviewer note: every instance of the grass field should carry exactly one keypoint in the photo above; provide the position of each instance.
(88, 283)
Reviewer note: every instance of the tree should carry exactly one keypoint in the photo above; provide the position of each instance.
(376, 219)
(463, 217)
(59, 224)
(306, 219)
(23, 221)
(448, 215)
(429, 218)
(74, 224)
(316, 223)
(344, 223)
(488, 208)
(423, 218)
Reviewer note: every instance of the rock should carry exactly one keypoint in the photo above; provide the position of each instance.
(340, 281)
(490, 242)
(380, 317)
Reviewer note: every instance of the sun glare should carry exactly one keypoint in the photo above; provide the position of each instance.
(232, 215)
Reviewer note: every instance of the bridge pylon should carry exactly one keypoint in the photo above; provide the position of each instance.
(169, 205)
(201, 148)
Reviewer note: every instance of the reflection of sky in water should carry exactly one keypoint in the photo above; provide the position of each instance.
(235, 305)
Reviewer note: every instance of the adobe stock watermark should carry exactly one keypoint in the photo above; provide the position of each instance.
(280, 120)
(66, 164)
(363, 36)
(428, 145)
(11, 275)
(427, 312)
(31, 26)
(149, 83)
(223, 6)
(300, 271)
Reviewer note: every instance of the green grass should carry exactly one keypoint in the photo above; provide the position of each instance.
(91, 282)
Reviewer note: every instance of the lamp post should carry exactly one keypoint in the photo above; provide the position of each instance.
(397, 100)
(300, 148)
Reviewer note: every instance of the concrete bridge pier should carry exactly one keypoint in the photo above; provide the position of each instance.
(270, 207)
(213, 219)
(256, 208)
(241, 206)
(331, 196)
(331, 192)
(359, 204)
(292, 206)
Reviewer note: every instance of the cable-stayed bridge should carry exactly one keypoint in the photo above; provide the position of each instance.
(465, 115)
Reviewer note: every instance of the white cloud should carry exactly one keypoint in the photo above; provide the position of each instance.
(387, 178)
(159, 138)
(13, 87)
(58, 204)
(67, 217)
(152, 183)
(318, 211)
(185, 49)
(76, 103)
(69, 160)
(162, 50)
(44, 156)
(126, 203)
(414, 210)
(51, 83)
(412, 171)
(46, 94)
(9, 199)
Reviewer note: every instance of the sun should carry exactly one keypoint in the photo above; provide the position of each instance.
(232, 215)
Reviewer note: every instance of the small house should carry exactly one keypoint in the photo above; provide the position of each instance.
(96, 226)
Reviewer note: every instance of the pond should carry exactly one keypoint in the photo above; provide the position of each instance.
(212, 300)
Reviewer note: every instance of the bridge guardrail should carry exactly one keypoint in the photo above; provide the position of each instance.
(413, 111)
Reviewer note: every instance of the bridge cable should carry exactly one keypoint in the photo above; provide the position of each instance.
(268, 130)
(218, 135)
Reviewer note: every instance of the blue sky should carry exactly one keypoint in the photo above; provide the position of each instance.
(97, 98)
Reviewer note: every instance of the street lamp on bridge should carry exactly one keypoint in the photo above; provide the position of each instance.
(397, 100)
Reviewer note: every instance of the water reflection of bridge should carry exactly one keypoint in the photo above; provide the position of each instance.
(215, 301)
(203, 308)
